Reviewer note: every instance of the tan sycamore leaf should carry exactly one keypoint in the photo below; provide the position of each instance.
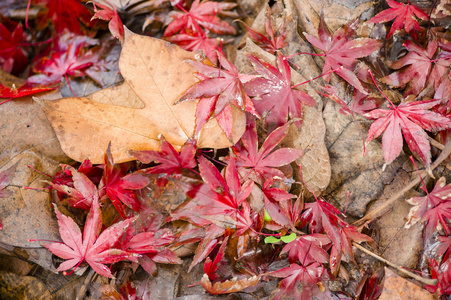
(156, 73)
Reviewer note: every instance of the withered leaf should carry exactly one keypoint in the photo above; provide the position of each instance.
(156, 73)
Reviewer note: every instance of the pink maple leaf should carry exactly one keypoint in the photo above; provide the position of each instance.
(261, 164)
(341, 50)
(204, 14)
(170, 160)
(412, 118)
(404, 15)
(418, 68)
(91, 247)
(274, 95)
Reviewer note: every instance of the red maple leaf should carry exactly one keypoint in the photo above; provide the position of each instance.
(261, 164)
(301, 282)
(274, 95)
(81, 190)
(341, 50)
(421, 69)
(343, 251)
(411, 118)
(443, 246)
(170, 160)
(198, 40)
(93, 248)
(110, 14)
(433, 208)
(119, 188)
(64, 14)
(273, 42)
(69, 56)
(277, 204)
(308, 249)
(404, 15)
(443, 275)
(26, 89)
(204, 14)
(230, 192)
(11, 52)
(151, 246)
(217, 89)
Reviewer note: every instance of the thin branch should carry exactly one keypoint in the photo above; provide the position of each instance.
(82, 291)
(423, 280)
(436, 144)
(382, 208)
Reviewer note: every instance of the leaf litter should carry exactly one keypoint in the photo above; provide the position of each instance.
(229, 199)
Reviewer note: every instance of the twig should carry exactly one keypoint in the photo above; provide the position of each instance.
(423, 280)
(436, 144)
(82, 291)
(381, 209)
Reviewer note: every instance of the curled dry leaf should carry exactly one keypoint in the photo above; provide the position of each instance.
(229, 286)
(156, 73)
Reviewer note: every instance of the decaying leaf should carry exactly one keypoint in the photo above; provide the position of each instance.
(229, 286)
(155, 72)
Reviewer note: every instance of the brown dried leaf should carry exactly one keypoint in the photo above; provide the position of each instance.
(155, 72)
(397, 288)
(27, 138)
(228, 286)
(336, 12)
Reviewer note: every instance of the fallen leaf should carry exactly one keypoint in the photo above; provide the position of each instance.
(229, 286)
(310, 136)
(404, 15)
(398, 288)
(155, 72)
(27, 138)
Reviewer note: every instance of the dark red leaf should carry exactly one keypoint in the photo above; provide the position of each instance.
(301, 282)
(110, 14)
(404, 15)
(170, 161)
(64, 14)
(273, 42)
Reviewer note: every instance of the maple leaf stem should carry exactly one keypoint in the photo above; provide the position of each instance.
(68, 83)
(40, 172)
(35, 189)
(39, 240)
(314, 54)
(302, 179)
(324, 74)
(28, 12)
(372, 77)
(36, 44)
(6, 101)
(424, 188)
(74, 268)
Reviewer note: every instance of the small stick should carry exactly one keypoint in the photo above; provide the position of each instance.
(436, 144)
(380, 210)
(82, 291)
(423, 280)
